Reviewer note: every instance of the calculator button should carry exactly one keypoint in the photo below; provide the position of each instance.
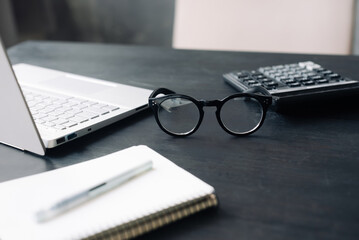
(334, 76)
(308, 83)
(327, 72)
(322, 81)
(301, 79)
(255, 85)
(315, 78)
(290, 81)
(252, 82)
(271, 84)
(296, 84)
(284, 79)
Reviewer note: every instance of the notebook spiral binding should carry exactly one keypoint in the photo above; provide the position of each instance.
(159, 219)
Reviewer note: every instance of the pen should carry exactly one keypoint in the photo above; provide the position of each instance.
(83, 196)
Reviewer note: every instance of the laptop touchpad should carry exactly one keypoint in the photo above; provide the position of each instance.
(75, 85)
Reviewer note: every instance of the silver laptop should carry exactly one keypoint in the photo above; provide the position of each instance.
(43, 108)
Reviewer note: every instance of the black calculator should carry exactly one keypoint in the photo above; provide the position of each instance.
(294, 82)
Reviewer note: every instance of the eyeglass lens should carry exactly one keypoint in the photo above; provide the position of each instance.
(239, 115)
(178, 115)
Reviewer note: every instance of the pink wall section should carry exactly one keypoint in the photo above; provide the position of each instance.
(299, 26)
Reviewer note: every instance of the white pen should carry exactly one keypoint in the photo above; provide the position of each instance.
(83, 196)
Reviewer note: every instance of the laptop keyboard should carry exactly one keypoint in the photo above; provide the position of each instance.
(59, 112)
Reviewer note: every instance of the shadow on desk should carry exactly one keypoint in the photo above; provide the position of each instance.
(345, 105)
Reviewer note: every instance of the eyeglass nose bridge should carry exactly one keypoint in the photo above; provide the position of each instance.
(218, 105)
(210, 103)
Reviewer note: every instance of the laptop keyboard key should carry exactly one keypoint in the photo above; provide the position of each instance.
(60, 121)
(111, 108)
(78, 119)
(97, 110)
(88, 115)
(69, 124)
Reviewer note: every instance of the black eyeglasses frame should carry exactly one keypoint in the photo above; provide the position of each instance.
(258, 93)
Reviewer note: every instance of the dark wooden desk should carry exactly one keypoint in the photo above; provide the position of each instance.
(296, 178)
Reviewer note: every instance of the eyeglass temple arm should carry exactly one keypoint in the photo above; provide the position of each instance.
(161, 91)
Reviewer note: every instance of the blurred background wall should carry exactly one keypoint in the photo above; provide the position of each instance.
(310, 26)
(8, 28)
(302, 26)
(111, 21)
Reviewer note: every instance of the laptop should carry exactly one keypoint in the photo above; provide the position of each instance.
(43, 108)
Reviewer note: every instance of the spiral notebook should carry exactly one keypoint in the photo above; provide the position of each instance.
(160, 196)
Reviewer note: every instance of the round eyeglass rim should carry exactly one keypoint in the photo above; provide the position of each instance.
(228, 130)
(166, 97)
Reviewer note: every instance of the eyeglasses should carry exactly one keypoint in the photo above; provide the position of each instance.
(239, 114)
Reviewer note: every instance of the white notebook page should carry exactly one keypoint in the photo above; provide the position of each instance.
(164, 186)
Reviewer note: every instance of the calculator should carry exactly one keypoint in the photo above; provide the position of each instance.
(295, 82)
